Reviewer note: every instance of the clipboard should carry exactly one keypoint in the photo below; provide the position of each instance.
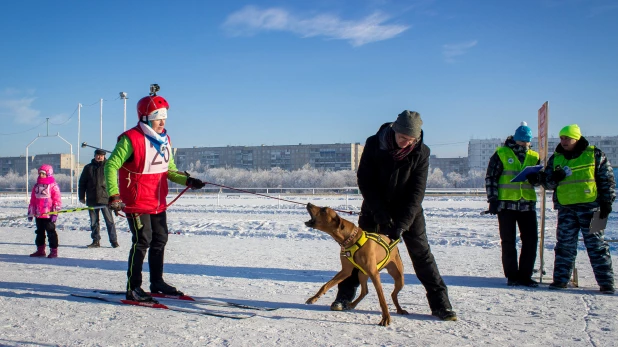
(526, 171)
(597, 224)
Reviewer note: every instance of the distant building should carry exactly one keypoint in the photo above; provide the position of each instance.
(61, 163)
(479, 151)
(447, 165)
(334, 157)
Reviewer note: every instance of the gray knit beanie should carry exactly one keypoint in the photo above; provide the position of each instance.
(408, 123)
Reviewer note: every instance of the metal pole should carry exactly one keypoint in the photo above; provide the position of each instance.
(27, 173)
(79, 124)
(70, 146)
(125, 113)
(101, 123)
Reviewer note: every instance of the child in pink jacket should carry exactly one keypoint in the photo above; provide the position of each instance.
(44, 199)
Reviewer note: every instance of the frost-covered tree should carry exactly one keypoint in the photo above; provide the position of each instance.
(455, 180)
(436, 179)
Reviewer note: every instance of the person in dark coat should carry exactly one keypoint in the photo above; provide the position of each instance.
(515, 205)
(583, 183)
(92, 191)
(392, 176)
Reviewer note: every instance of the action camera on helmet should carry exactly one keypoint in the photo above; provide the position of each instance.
(154, 88)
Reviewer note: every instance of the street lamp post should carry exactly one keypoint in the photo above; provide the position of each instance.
(79, 124)
(101, 123)
(123, 96)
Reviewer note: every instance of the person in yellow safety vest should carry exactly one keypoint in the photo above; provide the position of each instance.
(583, 183)
(515, 204)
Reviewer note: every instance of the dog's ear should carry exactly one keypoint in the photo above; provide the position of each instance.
(339, 222)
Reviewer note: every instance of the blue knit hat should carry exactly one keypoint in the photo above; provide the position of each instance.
(523, 133)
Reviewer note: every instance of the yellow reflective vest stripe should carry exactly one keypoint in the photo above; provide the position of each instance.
(514, 191)
(580, 187)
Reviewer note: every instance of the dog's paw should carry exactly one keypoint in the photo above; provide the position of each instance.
(386, 320)
(311, 300)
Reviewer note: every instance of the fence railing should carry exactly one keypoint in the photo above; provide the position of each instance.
(281, 190)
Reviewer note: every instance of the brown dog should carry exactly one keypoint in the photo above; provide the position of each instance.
(367, 257)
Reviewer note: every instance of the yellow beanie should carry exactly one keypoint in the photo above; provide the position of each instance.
(571, 131)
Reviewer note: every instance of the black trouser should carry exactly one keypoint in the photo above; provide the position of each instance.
(44, 225)
(423, 262)
(528, 233)
(109, 223)
(149, 231)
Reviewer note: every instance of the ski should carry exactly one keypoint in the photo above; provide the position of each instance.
(204, 301)
(232, 315)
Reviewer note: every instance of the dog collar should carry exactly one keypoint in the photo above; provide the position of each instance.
(349, 239)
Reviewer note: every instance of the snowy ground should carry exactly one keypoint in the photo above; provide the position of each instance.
(258, 251)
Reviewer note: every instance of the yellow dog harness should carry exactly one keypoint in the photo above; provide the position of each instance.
(349, 251)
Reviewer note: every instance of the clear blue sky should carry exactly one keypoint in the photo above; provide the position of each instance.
(322, 71)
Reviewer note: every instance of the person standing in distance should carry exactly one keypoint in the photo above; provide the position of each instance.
(92, 191)
(515, 204)
(392, 176)
(583, 183)
(142, 162)
(45, 198)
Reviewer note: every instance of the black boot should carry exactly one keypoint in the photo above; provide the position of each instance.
(445, 314)
(345, 296)
(164, 288)
(139, 295)
(94, 244)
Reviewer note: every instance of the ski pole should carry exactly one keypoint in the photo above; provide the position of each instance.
(77, 209)
(54, 212)
(84, 144)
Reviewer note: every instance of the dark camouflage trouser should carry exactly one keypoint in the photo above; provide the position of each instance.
(570, 222)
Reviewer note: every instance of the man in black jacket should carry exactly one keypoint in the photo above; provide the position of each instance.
(93, 192)
(392, 176)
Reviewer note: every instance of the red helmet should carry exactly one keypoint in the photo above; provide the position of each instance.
(149, 104)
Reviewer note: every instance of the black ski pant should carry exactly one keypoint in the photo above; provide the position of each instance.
(149, 235)
(45, 225)
(425, 267)
(109, 223)
(508, 220)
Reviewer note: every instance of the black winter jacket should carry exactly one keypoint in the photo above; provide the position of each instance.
(92, 184)
(396, 187)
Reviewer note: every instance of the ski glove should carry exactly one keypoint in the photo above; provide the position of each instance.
(392, 233)
(194, 183)
(558, 175)
(534, 178)
(115, 203)
(29, 219)
(493, 206)
(383, 219)
(53, 218)
(606, 209)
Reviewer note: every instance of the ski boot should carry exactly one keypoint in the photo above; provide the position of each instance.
(164, 288)
(139, 295)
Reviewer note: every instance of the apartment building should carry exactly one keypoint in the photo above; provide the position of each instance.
(61, 162)
(458, 165)
(334, 157)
